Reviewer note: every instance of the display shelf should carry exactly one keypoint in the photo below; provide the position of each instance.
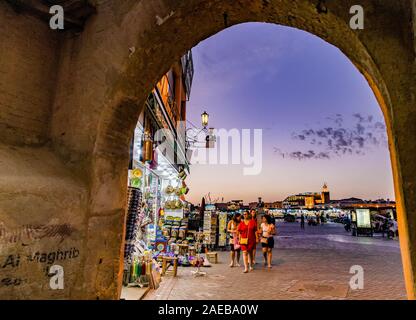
(179, 213)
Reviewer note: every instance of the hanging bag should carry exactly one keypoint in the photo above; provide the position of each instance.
(237, 245)
(244, 241)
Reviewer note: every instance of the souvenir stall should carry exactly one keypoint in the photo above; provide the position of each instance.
(194, 221)
(158, 234)
(144, 204)
(222, 229)
(361, 222)
(210, 226)
(177, 243)
(139, 267)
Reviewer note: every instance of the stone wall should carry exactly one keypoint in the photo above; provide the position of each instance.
(28, 67)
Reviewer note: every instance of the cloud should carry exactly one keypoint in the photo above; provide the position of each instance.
(360, 137)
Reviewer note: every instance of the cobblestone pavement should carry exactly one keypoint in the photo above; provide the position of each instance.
(309, 264)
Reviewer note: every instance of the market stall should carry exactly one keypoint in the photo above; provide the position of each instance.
(361, 222)
(161, 230)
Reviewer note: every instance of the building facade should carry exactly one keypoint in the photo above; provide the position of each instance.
(308, 200)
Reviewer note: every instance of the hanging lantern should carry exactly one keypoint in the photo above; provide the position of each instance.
(147, 151)
(147, 148)
(204, 119)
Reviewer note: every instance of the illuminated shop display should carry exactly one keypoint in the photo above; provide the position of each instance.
(363, 218)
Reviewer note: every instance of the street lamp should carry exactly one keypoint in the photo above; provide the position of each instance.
(205, 118)
(192, 134)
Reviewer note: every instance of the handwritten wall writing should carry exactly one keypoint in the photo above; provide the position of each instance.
(51, 257)
(11, 282)
(29, 233)
(13, 261)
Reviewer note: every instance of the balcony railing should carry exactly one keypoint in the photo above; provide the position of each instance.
(188, 71)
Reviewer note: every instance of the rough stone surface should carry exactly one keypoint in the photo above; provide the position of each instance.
(38, 199)
(28, 66)
(75, 98)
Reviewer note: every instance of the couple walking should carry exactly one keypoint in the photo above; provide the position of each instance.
(245, 234)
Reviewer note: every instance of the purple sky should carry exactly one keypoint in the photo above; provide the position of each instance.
(320, 120)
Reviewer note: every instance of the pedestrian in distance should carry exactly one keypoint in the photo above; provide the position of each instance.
(302, 221)
(273, 219)
(254, 215)
(394, 228)
(247, 231)
(268, 230)
(232, 229)
(385, 227)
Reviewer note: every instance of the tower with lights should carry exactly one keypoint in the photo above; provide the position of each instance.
(325, 194)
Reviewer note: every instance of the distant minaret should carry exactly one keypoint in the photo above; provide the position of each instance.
(325, 194)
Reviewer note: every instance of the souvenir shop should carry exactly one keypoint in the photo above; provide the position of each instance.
(160, 229)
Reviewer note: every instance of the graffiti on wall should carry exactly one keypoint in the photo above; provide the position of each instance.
(13, 260)
(30, 233)
(12, 263)
(21, 239)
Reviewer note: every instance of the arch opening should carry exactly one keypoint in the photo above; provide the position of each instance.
(74, 148)
(195, 119)
(332, 27)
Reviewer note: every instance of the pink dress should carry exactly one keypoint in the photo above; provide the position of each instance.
(235, 239)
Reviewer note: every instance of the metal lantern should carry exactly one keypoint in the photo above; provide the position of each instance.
(205, 118)
(147, 148)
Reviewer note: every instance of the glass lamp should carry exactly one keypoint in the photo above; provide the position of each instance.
(204, 119)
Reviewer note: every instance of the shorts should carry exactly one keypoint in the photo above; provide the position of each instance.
(269, 244)
(232, 248)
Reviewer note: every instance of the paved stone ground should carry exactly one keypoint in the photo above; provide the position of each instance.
(133, 293)
(309, 264)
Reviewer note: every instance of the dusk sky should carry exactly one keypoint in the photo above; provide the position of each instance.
(320, 120)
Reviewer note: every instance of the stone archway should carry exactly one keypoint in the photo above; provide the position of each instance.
(96, 84)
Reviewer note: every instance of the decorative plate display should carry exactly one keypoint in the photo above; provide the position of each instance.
(137, 173)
